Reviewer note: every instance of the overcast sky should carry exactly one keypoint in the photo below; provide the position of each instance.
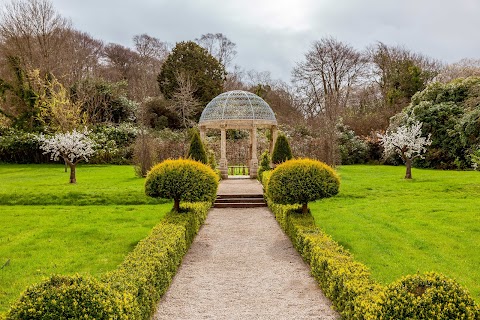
(272, 35)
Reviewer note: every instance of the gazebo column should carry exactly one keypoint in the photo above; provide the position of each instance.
(223, 153)
(202, 133)
(254, 160)
(273, 139)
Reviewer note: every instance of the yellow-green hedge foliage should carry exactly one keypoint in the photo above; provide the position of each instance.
(425, 297)
(132, 291)
(182, 180)
(71, 297)
(147, 271)
(350, 287)
(302, 181)
(347, 283)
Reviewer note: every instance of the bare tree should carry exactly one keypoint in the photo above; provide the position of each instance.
(151, 47)
(400, 73)
(219, 46)
(33, 31)
(325, 81)
(153, 53)
(80, 57)
(184, 102)
(461, 69)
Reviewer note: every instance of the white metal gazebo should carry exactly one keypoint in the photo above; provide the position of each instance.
(238, 110)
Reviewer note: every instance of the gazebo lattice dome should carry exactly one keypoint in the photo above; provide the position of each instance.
(237, 107)
(238, 110)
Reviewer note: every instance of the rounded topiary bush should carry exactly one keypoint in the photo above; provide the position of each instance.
(427, 296)
(71, 297)
(301, 181)
(182, 180)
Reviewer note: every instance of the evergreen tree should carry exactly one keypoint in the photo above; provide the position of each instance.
(197, 149)
(281, 151)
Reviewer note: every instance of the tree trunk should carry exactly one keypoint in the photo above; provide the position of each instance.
(73, 178)
(305, 208)
(408, 164)
(66, 166)
(176, 205)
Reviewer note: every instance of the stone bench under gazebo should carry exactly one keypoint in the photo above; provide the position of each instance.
(240, 110)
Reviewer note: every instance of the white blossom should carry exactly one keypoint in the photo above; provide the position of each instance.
(71, 146)
(407, 141)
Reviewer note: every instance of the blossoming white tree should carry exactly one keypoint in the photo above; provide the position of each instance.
(72, 147)
(408, 142)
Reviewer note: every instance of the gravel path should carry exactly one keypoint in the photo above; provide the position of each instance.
(242, 266)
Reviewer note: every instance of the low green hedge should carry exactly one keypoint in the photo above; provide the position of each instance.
(426, 296)
(350, 287)
(71, 297)
(129, 292)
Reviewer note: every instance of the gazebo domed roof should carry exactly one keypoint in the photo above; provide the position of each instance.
(237, 107)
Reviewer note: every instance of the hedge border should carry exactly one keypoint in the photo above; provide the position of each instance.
(346, 282)
(146, 273)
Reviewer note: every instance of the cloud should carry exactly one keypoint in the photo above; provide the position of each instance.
(272, 35)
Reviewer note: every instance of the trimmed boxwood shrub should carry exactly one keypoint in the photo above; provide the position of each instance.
(426, 296)
(350, 287)
(281, 151)
(132, 291)
(301, 181)
(146, 272)
(182, 180)
(71, 297)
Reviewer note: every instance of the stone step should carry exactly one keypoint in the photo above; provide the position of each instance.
(234, 196)
(239, 205)
(239, 201)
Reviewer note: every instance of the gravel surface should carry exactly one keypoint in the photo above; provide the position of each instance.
(242, 266)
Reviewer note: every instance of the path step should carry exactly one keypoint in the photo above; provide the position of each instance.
(239, 201)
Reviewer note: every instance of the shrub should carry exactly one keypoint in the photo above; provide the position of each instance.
(347, 283)
(17, 146)
(350, 287)
(147, 271)
(281, 150)
(264, 164)
(427, 296)
(71, 297)
(132, 291)
(197, 149)
(301, 181)
(144, 153)
(353, 150)
(115, 144)
(182, 180)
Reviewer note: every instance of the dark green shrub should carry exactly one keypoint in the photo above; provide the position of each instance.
(71, 297)
(301, 181)
(115, 144)
(17, 146)
(182, 180)
(264, 164)
(197, 149)
(281, 150)
(427, 296)
(353, 150)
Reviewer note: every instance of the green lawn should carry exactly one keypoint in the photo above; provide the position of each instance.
(398, 227)
(49, 226)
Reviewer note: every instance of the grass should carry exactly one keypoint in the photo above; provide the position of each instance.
(50, 226)
(398, 227)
